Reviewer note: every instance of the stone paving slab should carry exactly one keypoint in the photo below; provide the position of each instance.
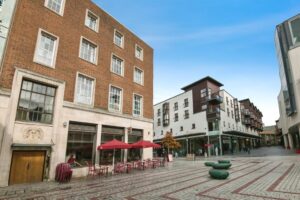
(271, 177)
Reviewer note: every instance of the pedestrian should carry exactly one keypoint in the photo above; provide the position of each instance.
(249, 150)
(72, 161)
(217, 151)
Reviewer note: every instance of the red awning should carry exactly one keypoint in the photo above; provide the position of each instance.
(114, 144)
(144, 144)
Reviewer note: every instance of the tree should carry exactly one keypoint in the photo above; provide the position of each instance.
(169, 142)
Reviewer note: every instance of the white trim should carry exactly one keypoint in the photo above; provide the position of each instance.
(122, 41)
(143, 76)
(142, 105)
(62, 9)
(93, 92)
(121, 99)
(122, 65)
(97, 50)
(138, 46)
(37, 44)
(97, 22)
(291, 30)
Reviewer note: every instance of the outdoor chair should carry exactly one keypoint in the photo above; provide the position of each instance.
(119, 168)
(101, 170)
(141, 165)
(91, 169)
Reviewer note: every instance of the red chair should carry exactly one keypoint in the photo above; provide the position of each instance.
(120, 168)
(91, 169)
(141, 165)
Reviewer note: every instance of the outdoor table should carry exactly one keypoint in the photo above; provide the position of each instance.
(128, 167)
(101, 170)
(155, 163)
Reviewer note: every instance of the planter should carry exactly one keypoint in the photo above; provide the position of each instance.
(218, 174)
(221, 165)
(224, 161)
(209, 164)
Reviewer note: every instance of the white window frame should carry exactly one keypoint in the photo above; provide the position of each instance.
(38, 42)
(142, 105)
(121, 98)
(96, 54)
(122, 39)
(142, 83)
(122, 64)
(142, 54)
(291, 30)
(93, 89)
(62, 8)
(97, 21)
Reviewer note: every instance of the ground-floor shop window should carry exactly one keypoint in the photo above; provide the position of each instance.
(109, 133)
(134, 135)
(81, 144)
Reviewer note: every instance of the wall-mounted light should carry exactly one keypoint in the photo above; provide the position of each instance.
(65, 124)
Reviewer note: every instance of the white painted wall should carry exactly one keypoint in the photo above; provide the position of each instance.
(199, 118)
(196, 119)
(288, 121)
(230, 123)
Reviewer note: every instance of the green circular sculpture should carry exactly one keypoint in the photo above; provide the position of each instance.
(209, 164)
(218, 174)
(221, 165)
(224, 161)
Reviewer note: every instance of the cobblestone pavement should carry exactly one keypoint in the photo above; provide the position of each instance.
(269, 177)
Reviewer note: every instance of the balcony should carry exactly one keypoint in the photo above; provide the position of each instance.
(214, 99)
(166, 122)
(212, 114)
(247, 122)
(246, 112)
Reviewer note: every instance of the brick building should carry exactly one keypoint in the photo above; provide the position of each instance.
(71, 78)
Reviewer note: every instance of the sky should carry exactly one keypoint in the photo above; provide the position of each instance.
(229, 40)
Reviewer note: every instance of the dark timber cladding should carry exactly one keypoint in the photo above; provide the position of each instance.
(197, 86)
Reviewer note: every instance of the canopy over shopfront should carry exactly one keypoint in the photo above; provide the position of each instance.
(238, 133)
(114, 144)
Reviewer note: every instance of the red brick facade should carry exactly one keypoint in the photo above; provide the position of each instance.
(32, 15)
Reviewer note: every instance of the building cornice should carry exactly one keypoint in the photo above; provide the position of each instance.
(75, 106)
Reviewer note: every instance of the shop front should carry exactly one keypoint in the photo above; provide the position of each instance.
(109, 133)
(236, 142)
(134, 135)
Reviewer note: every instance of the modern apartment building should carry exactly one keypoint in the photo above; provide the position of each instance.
(205, 115)
(71, 78)
(287, 40)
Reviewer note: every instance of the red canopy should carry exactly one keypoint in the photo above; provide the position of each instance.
(144, 144)
(114, 144)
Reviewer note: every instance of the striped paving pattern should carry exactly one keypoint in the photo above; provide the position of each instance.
(250, 178)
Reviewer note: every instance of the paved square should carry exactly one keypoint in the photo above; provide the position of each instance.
(268, 177)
